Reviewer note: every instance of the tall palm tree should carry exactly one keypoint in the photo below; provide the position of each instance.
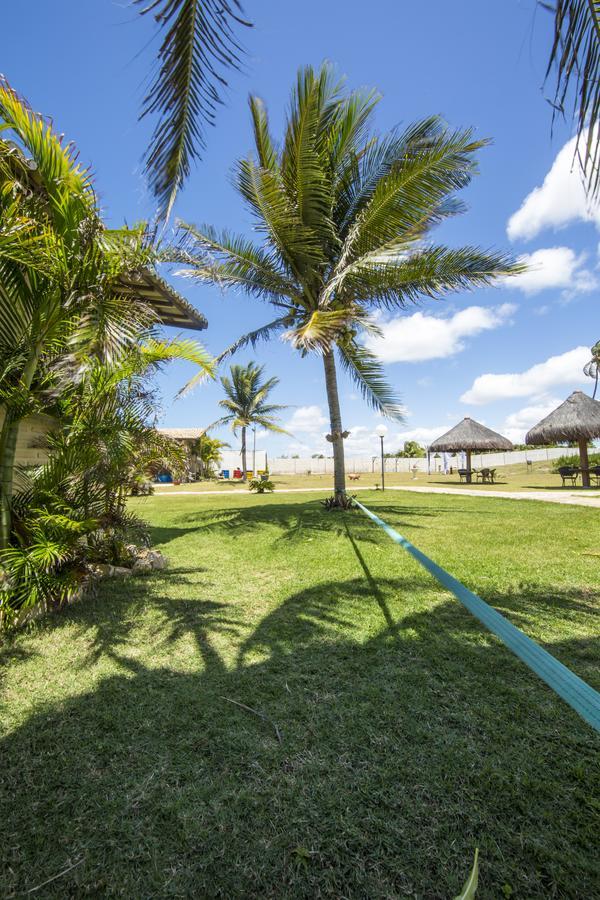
(346, 220)
(59, 275)
(246, 402)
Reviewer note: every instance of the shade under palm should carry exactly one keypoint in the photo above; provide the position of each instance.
(345, 218)
(247, 404)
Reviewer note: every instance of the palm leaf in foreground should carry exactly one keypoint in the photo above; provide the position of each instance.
(576, 54)
(198, 46)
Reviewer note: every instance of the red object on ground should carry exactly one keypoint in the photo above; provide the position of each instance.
(237, 473)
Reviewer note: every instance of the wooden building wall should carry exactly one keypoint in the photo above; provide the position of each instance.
(31, 433)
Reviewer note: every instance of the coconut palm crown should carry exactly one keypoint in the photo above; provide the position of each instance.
(246, 403)
(345, 218)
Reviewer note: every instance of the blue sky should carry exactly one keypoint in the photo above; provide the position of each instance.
(506, 355)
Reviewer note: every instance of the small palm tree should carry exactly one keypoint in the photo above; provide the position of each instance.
(246, 402)
(346, 220)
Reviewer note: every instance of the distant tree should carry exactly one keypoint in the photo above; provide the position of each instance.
(413, 449)
(208, 451)
(246, 402)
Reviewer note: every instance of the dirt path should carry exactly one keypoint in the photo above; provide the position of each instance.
(569, 497)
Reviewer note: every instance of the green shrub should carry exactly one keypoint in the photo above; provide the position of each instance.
(594, 459)
(342, 502)
(261, 487)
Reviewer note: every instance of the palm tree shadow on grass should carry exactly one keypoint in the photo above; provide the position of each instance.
(294, 520)
(398, 755)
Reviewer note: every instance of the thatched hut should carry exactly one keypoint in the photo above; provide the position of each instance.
(469, 436)
(577, 419)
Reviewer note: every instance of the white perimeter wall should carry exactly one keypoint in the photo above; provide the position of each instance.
(232, 460)
(279, 466)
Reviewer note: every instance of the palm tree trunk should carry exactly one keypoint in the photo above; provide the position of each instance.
(8, 451)
(244, 464)
(335, 422)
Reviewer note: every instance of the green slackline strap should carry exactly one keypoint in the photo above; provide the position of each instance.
(579, 695)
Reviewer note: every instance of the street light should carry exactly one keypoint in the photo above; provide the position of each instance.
(381, 431)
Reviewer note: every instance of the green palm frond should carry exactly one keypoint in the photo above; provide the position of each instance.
(319, 329)
(304, 158)
(246, 398)
(265, 147)
(430, 163)
(154, 352)
(367, 373)
(269, 424)
(384, 281)
(66, 185)
(227, 260)
(252, 338)
(199, 45)
(576, 54)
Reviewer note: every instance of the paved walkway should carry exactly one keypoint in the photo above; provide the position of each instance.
(570, 497)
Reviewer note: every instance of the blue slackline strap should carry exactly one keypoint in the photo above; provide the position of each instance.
(579, 695)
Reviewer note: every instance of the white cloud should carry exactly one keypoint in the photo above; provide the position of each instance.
(420, 336)
(517, 424)
(559, 200)
(564, 369)
(306, 420)
(554, 267)
(423, 435)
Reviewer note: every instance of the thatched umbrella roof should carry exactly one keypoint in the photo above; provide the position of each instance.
(182, 434)
(576, 419)
(470, 435)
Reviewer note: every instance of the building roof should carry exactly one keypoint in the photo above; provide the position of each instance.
(171, 307)
(183, 434)
(578, 417)
(470, 435)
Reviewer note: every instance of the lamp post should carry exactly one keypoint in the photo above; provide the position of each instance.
(254, 452)
(381, 431)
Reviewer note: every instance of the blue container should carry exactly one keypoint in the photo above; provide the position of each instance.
(225, 473)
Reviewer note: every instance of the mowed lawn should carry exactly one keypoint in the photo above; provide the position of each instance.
(388, 733)
(540, 477)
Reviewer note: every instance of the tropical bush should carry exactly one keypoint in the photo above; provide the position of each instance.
(335, 502)
(574, 460)
(74, 346)
(261, 487)
(71, 513)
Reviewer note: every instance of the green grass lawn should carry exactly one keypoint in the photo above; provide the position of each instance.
(510, 478)
(395, 734)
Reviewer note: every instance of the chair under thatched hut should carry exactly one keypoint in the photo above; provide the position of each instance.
(469, 436)
(577, 419)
